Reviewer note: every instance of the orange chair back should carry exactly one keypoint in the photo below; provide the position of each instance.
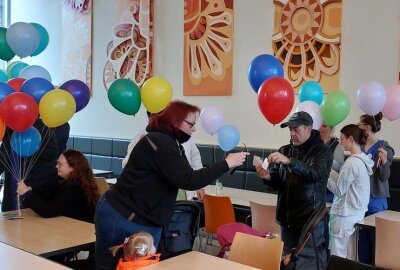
(263, 218)
(218, 210)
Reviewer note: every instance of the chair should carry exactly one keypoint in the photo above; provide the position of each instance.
(102, 185)
(256, 251)
(336, 262)
(387, 250)
(263, 218)
(218, 210)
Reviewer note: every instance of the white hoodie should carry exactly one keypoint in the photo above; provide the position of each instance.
(352, 188)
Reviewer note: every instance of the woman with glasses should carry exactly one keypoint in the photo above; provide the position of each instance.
(382, 154)
(144, 196)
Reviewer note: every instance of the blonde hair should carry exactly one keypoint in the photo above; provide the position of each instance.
(135, 246)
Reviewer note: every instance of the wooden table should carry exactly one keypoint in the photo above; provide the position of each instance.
(369, 221)
(243, 197)
(16, 259)
(45, 236)
(198, 261)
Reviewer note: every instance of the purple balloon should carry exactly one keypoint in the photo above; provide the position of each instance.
(211, 119)
(79, 90)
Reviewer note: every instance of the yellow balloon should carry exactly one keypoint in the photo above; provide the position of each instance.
(156, 93)
(56, 107)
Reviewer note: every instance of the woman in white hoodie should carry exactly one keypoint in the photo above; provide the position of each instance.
(351, 193)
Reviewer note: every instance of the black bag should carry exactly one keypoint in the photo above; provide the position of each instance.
(178, 236)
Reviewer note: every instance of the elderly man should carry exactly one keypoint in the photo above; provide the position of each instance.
(299, 172)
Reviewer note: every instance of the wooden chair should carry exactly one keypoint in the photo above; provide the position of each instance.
(256, 251)
(387, 249)
(102, 185)
(263, 218)
(218, 210)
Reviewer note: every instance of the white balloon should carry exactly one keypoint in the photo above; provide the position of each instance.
(23, 38)
(314, 110)
(211, 119)
(371, 97)
(35, 71)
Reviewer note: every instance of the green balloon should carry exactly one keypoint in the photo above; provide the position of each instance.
(335, 108)
(3, 76)
(44, 39)
(124, 96)
(6, 53)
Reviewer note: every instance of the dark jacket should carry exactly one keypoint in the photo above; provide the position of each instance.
(302, 183)
(65, 200)
(150, 181)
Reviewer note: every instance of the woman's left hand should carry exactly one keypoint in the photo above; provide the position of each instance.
(200, 194)
(22, 188)
(382, 154)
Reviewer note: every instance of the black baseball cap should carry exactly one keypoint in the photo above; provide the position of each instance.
(297, 119)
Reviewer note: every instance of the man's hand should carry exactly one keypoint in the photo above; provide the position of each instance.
(263, 173)
(278, 158)
(200, 194)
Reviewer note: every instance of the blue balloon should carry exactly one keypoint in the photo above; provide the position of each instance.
(228, 137)
(5, 90)
(3, 76)
(311, 91)
(36, 87)
(26, 143)
(263, 67)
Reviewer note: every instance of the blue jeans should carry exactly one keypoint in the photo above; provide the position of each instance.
(111, 230)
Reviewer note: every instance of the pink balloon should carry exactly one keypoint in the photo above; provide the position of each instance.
(211, 119)
(314, 110)
(371, 97)
(391, 110)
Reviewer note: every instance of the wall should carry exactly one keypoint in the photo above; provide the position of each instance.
(370, 51)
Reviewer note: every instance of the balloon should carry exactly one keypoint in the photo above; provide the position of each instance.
(311, 91)
(211, 119)
(262, 68)
(391, 110)
(335, 108)
(124, 96)
(16, 69)
(275, 99)
(6, 53)
(312, 109)
(5, 90)
(19, 111)
(56, 107)
(25, 143)
(2, 129)
(371, 97)
(35, 71)
(3, 76)
(228, 137)
(23, 38)
(16, 83)
(156, 94)
(36, 87)
(79, 90)
(44, 39)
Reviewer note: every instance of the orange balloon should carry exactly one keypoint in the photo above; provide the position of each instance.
(2, 128)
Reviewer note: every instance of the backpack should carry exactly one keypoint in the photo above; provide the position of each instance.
(177, 237)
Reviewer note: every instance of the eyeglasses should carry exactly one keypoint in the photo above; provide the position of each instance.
(190, 123)
(361, 124)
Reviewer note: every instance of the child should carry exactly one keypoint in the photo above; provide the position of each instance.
(139, 251)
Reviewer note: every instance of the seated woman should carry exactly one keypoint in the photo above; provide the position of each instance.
(75, 195)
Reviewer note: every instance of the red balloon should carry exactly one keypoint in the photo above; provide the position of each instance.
(16, 83)
(275, 99)
(19, 111)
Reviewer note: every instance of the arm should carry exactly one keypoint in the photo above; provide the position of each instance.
(131, 145)
(338, 158)
(346, 178)
(385, 159)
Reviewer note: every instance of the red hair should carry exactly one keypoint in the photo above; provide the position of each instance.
(172, 116)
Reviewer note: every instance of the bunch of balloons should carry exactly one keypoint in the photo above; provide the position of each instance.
(36, 96)
(17, 72)
(22, 39)
(126, 97)
(275, 94)
(212, 121)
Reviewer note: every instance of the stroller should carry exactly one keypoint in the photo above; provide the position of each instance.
(179, 235)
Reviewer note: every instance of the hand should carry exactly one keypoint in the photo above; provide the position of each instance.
(22, 188)
(278, 158)
(236, 159)
(382, 154)
(263, 173)
(200, 194)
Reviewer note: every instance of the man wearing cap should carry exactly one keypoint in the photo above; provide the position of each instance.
(299, 172)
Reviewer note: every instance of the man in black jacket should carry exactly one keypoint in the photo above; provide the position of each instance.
(299, 172)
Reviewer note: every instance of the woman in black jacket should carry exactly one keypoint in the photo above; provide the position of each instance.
(76, 194)
(143, 198)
